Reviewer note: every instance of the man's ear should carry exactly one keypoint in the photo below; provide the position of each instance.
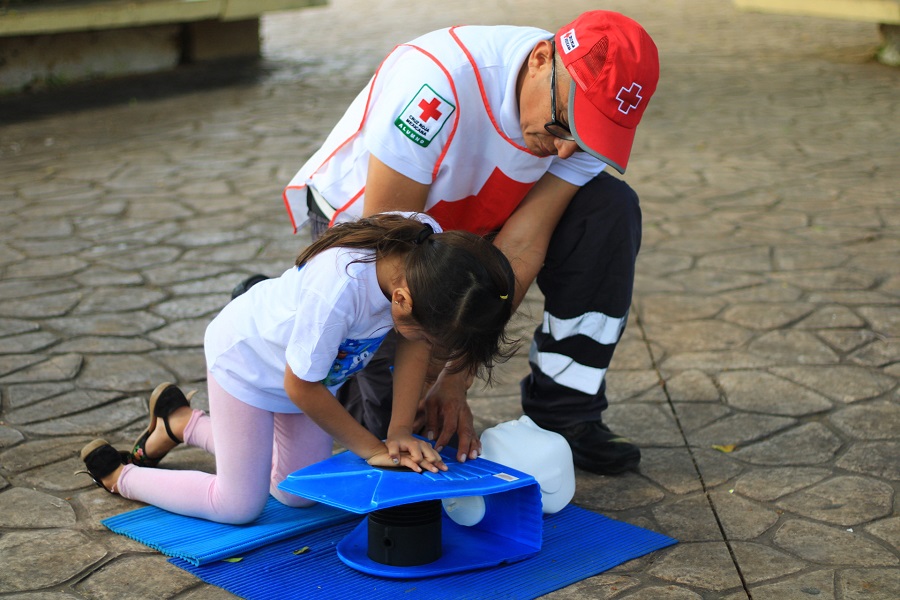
(541, 54)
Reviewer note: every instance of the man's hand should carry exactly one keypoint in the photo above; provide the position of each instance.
(446, 412)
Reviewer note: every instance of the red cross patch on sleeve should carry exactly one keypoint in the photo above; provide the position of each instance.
(424, 117)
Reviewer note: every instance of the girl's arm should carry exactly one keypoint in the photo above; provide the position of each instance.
(323, 408)
(315, 400)
(411, 361)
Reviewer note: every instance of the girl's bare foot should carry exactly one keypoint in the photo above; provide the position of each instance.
(159, 443)
(111, 481)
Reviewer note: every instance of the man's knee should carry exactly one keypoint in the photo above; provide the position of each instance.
(608, 198)
(602, 221)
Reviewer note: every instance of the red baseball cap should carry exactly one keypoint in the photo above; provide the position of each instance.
(615, 67)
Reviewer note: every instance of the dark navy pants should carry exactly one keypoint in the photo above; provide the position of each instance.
(587, 281)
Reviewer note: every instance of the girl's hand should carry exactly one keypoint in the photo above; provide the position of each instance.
(410, 452)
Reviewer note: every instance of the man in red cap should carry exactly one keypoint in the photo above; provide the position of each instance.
(506, 131)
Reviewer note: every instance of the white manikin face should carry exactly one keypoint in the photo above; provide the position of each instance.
(545, 455)
(522, 445)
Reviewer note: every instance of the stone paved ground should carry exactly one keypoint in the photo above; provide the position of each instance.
(766, 315)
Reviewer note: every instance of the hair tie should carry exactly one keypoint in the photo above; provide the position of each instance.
(423, 235)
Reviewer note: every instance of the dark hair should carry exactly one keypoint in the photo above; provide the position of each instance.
(462, 286)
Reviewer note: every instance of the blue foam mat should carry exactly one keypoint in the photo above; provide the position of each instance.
(577, 544)
(198, 541)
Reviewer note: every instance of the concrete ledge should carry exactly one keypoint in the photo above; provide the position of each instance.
(57, 43)
(92, 15)
(886, 13)
(217, 40)
(873, 11)
(39, 61)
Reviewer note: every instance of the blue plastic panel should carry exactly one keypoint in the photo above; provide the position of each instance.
(510, 531)
(464, 549)
(347, 481)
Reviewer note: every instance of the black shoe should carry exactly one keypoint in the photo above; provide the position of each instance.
(597, 449)
(101, 459)
(165, 399)
(246, 285)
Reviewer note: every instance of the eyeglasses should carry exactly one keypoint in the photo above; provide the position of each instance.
(554, 127)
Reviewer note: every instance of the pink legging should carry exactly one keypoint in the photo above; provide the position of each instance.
(255, 450)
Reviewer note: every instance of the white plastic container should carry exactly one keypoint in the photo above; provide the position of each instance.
(522, 445)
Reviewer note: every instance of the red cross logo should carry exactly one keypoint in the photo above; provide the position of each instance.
(629, 98)
(430, 109)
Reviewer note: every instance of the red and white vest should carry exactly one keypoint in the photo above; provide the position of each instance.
(436, 111)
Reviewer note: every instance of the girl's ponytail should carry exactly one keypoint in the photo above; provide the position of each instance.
(386, 234)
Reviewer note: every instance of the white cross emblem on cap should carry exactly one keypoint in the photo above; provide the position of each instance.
(629, 98)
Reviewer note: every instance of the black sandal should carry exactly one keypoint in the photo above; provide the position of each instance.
(101, 459)
(164, 400)
(246, 284)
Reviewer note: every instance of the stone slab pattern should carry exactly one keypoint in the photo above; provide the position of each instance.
(758, 371)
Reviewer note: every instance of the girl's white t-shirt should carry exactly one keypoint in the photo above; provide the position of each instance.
(325, 320)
